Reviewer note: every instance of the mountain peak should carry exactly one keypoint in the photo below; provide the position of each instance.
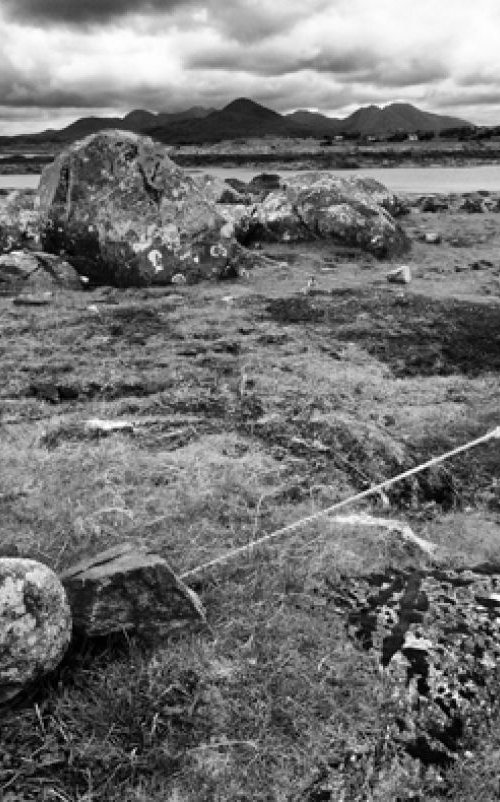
(243, 118)
(245, 107)
(241, 103)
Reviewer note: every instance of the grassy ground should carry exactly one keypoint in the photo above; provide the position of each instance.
(255, 402)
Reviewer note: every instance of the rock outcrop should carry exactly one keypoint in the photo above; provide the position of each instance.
(18, 220)
(35, 624)
(351, 211)
(129, 589)
(119, 210)
(436, 634)
(34, 270)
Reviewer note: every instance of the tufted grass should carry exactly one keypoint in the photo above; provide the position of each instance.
(243, 423)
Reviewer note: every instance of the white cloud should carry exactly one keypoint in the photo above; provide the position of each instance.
(326, 54)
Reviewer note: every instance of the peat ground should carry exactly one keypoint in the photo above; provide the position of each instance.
(255, 402)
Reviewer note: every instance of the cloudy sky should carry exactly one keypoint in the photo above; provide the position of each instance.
(63, 59)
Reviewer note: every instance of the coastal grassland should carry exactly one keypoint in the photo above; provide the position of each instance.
(254, 403)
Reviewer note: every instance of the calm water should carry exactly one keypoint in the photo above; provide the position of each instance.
(402, 179)
(19, 181)
(399, 179)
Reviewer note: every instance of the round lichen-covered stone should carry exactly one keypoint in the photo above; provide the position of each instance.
(35, 623)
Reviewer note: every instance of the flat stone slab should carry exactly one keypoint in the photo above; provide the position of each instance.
(129, 588)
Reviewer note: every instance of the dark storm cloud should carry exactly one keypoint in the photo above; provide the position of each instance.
(23, 95)
(76, 12)
(60, 56)
(245, 21)
(473, 98)
(415, 72)
(356, 65)
(275, 63)
(478, 78)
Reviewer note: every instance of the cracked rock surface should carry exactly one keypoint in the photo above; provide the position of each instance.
(129, 588)
(20, 270)
(351, 211)
(119, 210)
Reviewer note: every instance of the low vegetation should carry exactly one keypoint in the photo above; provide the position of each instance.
(254, 403)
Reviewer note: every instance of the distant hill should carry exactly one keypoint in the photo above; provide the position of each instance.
(397, 117)
(314, 123)
(240, 119)
(138, 120)
(244, 118)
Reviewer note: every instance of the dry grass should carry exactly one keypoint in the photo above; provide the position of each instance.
(244, 422)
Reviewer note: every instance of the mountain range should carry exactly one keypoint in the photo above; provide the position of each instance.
(244, 118)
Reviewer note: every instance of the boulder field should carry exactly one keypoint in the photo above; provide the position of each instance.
(121, 212)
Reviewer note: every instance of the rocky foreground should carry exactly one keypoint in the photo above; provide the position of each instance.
(148, 429)
(122, 213)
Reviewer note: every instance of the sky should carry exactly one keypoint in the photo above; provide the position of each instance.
(64, 59)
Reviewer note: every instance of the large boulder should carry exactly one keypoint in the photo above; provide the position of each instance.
(35, 624)
(129, 589)
(34, 270)
(18, 220)
(351, 211)
(117, 208)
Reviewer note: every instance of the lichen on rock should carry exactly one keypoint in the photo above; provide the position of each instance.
(35, 623)
(351, 211)
(119, 210)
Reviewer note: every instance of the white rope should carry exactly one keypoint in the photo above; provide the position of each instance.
(249, 547)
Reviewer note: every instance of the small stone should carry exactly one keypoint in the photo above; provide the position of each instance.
(492, 601)
(417, 644)
(432, 238)
(35, 624)
(104, 428)
(33, 300)
(401, 275)
(129, 588)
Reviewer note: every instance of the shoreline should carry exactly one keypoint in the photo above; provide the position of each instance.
(275, 154)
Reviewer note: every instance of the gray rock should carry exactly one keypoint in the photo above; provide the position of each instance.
(351, 211)
(434, 203)
(119, 210)
(35, 623)
(473, 204)
(432, 238)
(18, 220)
(34, 270)
(400, 275)
(129, 588)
